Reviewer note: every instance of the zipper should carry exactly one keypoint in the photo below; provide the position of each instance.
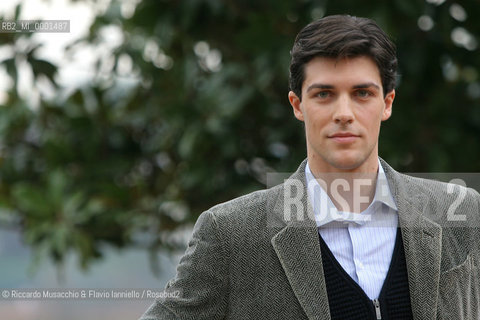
(376, 304)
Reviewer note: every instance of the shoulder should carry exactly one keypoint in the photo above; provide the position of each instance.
(451, 205)
(255, 205)
(448, 204)
(251, 214)
(245, 203)
(445, 191)
(411, 187)
(250, 207)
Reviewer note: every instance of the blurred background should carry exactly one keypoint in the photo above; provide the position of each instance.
(114, 137)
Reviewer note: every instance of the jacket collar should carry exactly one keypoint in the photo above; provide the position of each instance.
(422, 240)
(297, 245)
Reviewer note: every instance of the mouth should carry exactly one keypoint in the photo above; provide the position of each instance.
(344, 137)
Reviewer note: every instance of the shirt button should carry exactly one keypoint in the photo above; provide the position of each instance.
(359, 264)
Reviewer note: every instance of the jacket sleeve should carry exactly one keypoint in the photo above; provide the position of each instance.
(200, 287)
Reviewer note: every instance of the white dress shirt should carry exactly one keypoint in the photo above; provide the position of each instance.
(363, 242)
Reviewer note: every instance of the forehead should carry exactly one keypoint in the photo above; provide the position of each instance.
(345, 72)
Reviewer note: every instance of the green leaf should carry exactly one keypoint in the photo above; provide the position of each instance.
(43, 67)
(32, 201)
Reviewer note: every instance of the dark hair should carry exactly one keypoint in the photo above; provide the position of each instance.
(343, 36)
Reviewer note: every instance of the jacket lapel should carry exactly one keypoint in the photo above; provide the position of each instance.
(422, 240)
(298, 249)
(300, 258)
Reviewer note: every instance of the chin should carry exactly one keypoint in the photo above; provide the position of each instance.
(347, 165)
(347, 162)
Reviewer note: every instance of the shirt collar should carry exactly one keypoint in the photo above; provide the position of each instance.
(326, 212)
(382, 189)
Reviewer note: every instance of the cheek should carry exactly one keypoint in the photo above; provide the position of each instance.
(317, 119)
(371, 119)
(316, 125)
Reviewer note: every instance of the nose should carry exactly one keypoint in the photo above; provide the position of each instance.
(343, 113)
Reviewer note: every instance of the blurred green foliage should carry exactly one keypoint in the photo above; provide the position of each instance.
(190, 109)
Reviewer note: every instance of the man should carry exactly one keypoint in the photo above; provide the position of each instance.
(346, 236)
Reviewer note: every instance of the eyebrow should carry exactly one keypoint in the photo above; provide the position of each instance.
(319, 86)
(357, 86)
(366, 85)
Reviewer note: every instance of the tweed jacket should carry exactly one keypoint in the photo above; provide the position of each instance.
(248, 260)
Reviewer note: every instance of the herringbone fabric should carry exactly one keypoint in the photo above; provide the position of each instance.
(246, 260)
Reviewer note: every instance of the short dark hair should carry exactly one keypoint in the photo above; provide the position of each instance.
(342, 36)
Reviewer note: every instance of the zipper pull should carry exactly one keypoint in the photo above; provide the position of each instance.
(376, 304)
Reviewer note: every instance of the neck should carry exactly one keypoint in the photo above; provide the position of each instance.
(349, 191)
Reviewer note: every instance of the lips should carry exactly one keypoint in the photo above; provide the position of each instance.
(344, 137)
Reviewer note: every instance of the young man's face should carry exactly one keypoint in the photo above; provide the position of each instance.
(342, 107)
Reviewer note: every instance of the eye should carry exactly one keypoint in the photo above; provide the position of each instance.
(323, 94)
(362, 93)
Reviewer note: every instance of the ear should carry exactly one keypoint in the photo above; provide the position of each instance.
(296, 105)
(387, 111)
